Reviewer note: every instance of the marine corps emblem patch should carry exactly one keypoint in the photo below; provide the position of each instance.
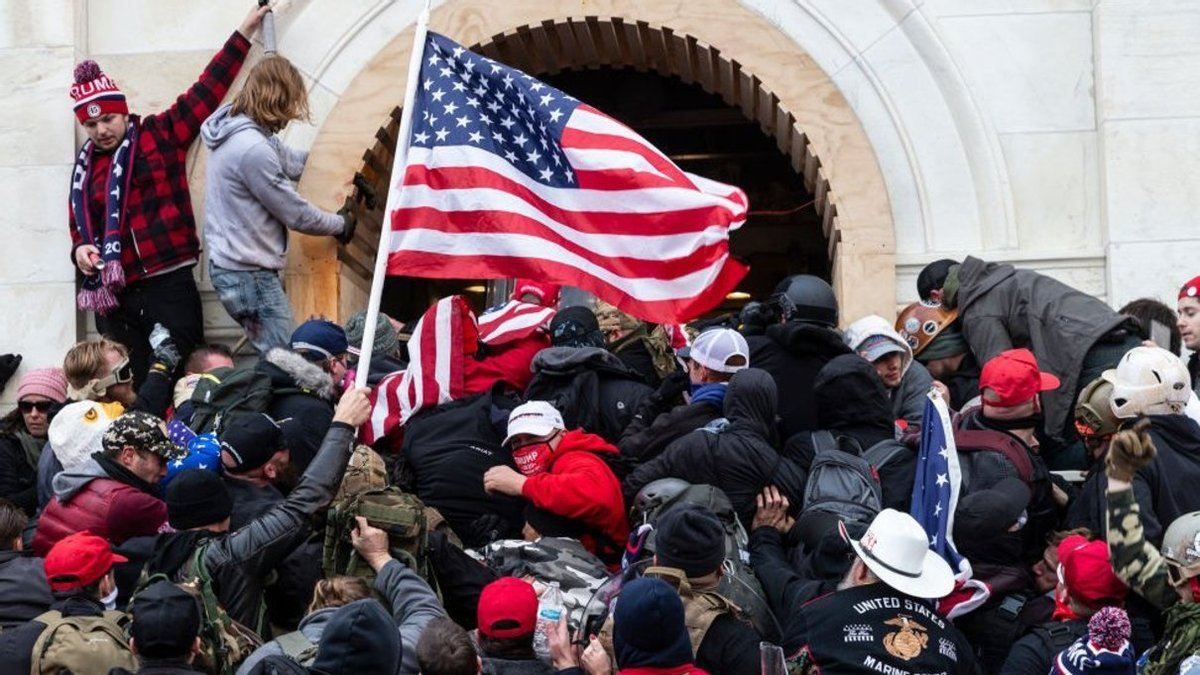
(909, 641)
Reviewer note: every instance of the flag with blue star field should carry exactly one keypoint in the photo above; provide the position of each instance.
(936, 488)
(506, 176)
(937, 482)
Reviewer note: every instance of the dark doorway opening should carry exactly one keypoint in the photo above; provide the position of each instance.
(703, 135)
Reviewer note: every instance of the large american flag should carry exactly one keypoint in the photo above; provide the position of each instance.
(935, 495)
(506, 176)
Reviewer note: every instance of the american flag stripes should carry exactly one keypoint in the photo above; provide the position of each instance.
(435, 371)
(508, 177)
(513, 321)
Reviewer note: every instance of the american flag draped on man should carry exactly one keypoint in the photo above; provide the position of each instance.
(505, 176)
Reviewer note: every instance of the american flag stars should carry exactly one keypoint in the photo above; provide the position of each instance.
(468, 100)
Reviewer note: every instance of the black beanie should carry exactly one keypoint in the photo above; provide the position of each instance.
(196, 498)
(690, 538)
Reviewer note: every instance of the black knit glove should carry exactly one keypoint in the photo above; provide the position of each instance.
(8, 365)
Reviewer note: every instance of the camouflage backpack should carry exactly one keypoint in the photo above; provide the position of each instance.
(364, 472)
(400, 514)
(578, 572)
(224, 643)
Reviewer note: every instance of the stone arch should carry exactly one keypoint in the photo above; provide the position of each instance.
(717, 44)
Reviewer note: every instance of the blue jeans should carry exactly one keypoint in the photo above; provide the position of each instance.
(256, 300)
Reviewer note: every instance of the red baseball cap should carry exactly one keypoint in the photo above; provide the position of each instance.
(78, 561)
(507, 608)
(1088, 573)
(1191, 289)
(1013, 378)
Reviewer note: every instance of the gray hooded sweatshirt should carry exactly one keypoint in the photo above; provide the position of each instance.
(249, 200)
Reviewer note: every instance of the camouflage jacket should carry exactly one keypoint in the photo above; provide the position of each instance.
(1135, 561)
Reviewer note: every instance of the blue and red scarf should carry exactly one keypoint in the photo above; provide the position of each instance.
(99, 292)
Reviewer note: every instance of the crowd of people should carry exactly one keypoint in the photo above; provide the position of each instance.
(662, 492)
(570, 489)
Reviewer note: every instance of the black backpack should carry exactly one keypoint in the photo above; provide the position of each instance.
(895, 465)
(596, 395)
(221, 392)
(842, 483)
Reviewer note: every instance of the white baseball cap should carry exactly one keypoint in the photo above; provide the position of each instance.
(876, 347)
(896, 548)
(535, 418)
(713, 348)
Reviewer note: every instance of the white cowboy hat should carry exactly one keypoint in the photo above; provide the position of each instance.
(896, 548)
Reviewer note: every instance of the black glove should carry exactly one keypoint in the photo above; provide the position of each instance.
(673, 386)
(350, 220)
(365, 192)
(485, 529)
(166, 352)
(8, 365)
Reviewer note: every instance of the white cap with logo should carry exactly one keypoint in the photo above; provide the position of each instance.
(715, 347)
(535, 418)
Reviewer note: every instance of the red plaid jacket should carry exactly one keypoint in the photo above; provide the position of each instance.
(160, 230)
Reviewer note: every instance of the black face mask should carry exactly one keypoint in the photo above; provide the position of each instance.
(1033, 421)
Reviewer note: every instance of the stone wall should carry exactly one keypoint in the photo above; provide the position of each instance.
(1058, 134)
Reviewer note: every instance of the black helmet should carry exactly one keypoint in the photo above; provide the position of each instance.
(803, 297)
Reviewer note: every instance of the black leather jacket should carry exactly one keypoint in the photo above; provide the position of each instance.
(240, 562)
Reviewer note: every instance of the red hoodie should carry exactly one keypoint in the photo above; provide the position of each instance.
(579, 485)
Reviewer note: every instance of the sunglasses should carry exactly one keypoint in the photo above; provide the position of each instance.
(40, 406)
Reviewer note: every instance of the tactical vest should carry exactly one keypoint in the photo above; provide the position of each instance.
(700, 608)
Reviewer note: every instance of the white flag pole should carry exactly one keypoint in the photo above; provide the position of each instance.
(399, 162)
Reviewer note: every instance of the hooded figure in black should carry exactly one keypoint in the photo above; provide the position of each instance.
(853, 404)
(795, 350)
(987, 532)
(738, 455)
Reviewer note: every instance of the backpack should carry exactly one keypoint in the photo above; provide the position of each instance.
(599, 394)
(896, 466)
(842, 483)
(400, 514)
(365, 471)
(986, 457)
(738, 583)
(224, 642)
(225, 390)
(82, 645)
(297, 647)
(578, 572)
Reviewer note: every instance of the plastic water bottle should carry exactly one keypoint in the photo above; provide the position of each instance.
(550, 610)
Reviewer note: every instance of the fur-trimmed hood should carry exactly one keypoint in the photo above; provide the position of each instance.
(289, 369)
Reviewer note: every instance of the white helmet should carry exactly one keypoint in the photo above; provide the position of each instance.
(1149, 381)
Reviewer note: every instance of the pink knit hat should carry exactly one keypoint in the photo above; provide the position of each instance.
(48, 382)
